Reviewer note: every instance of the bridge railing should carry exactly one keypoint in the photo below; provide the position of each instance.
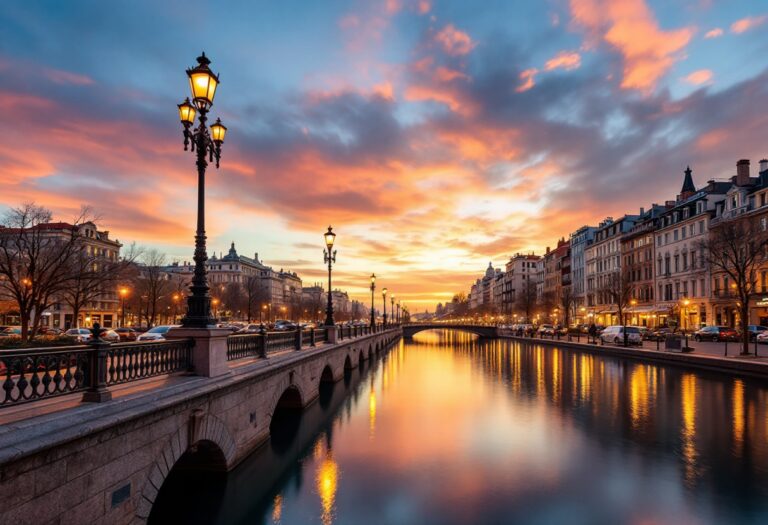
(39, 373)
(262, 343)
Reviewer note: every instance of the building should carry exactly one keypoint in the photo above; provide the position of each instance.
(603, 268)
(681, 279)
(519, 270)
(581, 239)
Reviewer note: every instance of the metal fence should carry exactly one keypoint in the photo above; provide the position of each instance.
(37, 373)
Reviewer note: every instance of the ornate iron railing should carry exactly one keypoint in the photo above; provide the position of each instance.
(245, 345)
(36, 373)
(321, 335)
(277, 341)
(131, 362)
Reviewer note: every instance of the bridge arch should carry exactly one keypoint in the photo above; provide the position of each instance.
(347, 363)
(327, 375)
(211, 451)
(479, 330)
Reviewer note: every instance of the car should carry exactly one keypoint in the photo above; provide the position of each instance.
(11, 331)
(127, 334)
(659, 334)
(78, 335)
(110, 336)
(762, 337)
(155, 334)
(616, 334)
(716, 333)
(253, 328)
(546, 329)
(755, 330)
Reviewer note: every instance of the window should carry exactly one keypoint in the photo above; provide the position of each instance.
(682, 231)
(701, 226)
(685, 261)
(693, 289)
(675, 234)
(677, 263)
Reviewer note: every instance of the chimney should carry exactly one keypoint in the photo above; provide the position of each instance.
(642, 211)
(742, 172)
(763, 165)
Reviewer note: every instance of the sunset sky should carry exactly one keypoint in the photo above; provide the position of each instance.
(434, 135)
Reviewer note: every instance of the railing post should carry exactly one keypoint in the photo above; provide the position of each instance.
(97, 369)
(297, 339)
(312, 336)
(263, 348)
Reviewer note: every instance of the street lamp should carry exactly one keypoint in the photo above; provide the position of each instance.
(329, 256)
(215, 306)
(398, 311)
(123, 294)
(686, 302)
(373, 288)
(392, 310)
(384, 300)
(203, 83)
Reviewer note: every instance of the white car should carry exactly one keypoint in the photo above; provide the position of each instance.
(762, 337)
(615, 334)
(79, 335)
(155, 334)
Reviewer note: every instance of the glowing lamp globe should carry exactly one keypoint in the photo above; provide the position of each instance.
(330, 238)
(203, 83)
(218, 130)
(187, 113)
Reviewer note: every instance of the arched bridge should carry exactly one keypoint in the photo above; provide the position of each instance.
(488, 331)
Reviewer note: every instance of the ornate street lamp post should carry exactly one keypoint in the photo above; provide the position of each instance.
(392, 310)
(329, 256)
(384, 300)
(203, 83)
(398, 312)
(373, 289)
(123, 294)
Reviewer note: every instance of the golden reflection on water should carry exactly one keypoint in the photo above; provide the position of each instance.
(326, 482)
(277, 508)
(372, 411)
(688, 430)
(738, 416)
(638, 397)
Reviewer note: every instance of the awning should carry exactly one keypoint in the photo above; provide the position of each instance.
(641, 309)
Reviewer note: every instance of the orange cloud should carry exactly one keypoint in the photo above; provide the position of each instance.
(450, 97)
(630, 27)
(567, 60)
(702, 76)
(714, 33)
(745, 24)
(454, 41)
(444, 74)
(528, 77)
(424, 6)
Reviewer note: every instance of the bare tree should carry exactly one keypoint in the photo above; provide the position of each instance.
(617, 290)
(460, 304)
(254, 295)
(35, 256)
(152, 285)
(526, 299)
(233, 298)
(737, 249)
(92, 275)
(567, 301)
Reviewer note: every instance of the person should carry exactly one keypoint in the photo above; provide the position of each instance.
(592, 332)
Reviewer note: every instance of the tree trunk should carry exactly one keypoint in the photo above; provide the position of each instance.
(745, 328)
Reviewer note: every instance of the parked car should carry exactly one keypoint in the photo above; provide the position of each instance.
(127, 334)
(546, 329)
(110, 336)
(155, 334)
(79, 335)
(755, 330)
(716, 333)
(253, 328)
(615, 334)
(762, 337)
(659, 334)
(11, 331)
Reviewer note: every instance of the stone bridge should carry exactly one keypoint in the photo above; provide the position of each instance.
(106, 462)
(488, 331)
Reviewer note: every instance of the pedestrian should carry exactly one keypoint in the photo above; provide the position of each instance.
(592, 331)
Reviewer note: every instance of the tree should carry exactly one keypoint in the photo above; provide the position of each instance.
(233, 298)
(526, 299)
(253, 294)
(567, 301)
(737, 248)
(460, 304)
(617, 290)
(152, 285)
(91, 276)
(35, 260)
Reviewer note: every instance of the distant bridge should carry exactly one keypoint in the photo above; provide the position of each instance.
(487, 331)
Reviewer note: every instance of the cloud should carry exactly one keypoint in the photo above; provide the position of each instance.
(745, 24)
(567, 60)
(699, 77)
(629, 27)
(528, 78)
(714, 33)
(454, 41)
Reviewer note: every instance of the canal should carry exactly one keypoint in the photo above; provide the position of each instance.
(450, 429)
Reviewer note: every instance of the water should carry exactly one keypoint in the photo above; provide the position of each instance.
(449, 429)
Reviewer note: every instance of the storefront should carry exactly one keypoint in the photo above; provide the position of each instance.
(758, 310)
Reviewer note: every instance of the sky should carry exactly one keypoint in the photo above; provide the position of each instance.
(435, 136)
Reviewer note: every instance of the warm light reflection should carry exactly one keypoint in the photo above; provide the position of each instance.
(372, 411)
(277, 508)
(638, 396)
(688, 430)
(326, 484)
(738, 416)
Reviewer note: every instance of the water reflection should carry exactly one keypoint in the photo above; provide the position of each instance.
(476, 431)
